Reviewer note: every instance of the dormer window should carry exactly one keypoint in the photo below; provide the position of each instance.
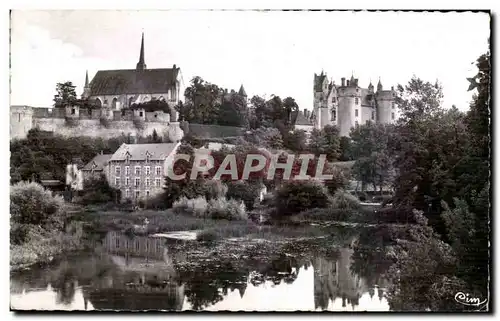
(127, 157)
(148, 156)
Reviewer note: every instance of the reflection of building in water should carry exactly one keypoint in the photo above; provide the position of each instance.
(146, 280)
(139, 246)
(334, 279)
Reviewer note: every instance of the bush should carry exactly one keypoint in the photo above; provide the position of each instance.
(207, 236)
(222, 208)
(196, 207)
(345, 201)
(98, 191)
(244, 191)
(214, 189)
(30, 203)
(296, 196)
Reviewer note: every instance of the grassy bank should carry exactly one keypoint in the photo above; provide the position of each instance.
(168, 221)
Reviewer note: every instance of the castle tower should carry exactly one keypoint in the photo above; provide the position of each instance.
(243, 94)
(370, 87)
(349, 106)
(141, 65)
(320, 103)
(86, 87)
(386, 111)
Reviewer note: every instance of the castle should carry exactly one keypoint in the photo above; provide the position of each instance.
(349, 105)
(112, 92)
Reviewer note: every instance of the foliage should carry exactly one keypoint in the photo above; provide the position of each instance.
(30, 203)
(244, 191)
(325, 141)
(214, 189)
(296, 140)
(345, 149)
(345, 201)
(296, 196)
(152, 106)
(207, 236)
(221, 208)
(266, 137)
(418, 99)
(98, 190)
(196, 207)
(66, 94)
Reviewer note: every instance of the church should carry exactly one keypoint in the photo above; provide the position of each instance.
(117, 89)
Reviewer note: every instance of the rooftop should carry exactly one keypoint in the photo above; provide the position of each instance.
(142, 151)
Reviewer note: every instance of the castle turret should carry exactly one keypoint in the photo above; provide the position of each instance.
(349, 106)
(386, 111)
(379, 85)
(370, 87)
(141, 65)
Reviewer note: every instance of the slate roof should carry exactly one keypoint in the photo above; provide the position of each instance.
(139, 151)
(242, 91)
(133, 81)
(302, 120)
(97, 163)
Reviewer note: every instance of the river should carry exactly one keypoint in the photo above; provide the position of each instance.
(145, 273)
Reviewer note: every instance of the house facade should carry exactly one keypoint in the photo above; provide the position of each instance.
(139, 170)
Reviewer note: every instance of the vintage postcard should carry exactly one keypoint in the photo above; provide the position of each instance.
(278, 161)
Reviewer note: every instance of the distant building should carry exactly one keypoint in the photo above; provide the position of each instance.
(97, 167)
(139, 170)
(116, 89)
(304, 121)
(348, 105)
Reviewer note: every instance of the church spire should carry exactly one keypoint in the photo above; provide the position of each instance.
(86, 78)
(141, 65)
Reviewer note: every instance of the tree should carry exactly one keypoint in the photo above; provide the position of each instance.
(325, 141)
(418, 99)
(66, 94)
(296, 140)
(294, 197)
(203, 102)
(233, 111)
(265, 136)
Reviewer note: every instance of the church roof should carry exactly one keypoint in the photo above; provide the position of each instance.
(133, 81)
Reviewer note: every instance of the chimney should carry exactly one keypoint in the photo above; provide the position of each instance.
(174, 67)
(343, 82)
(348, 83)
(392, 88)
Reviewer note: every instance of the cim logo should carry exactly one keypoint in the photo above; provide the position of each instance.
(465, 299)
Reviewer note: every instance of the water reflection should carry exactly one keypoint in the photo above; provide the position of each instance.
(143, 273)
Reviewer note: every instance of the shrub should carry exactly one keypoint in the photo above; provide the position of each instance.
(30, 203)
(244, 191)
(207, 236)
(214, 189)
(98, 191)
(345, 201)
(196, 207)
(296, 196)
(222, 208)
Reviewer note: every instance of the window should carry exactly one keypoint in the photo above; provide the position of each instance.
(356, 101)
(18, 118)
(117, 181)
(334, 100)
(393, 105)
(127, 170)
(158, 182)
(137, 181)
(73, 111)
(356, 113)
(127, 181)
(127, 159)
(373, 115)
(147, 193)
(148, 181)
(137, 194)
(138, 170)
(117, 170)
(158, 170)
(140, 114)
(117, 242)
(105, 102)
(392, 116)
(147, 169)
(334, 115)
(127, 193)
(137, 246)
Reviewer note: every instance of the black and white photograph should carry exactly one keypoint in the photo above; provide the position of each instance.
(250, 160)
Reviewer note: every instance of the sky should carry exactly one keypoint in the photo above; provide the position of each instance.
(268, 52)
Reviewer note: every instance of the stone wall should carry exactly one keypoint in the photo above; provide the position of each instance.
(115, 128)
